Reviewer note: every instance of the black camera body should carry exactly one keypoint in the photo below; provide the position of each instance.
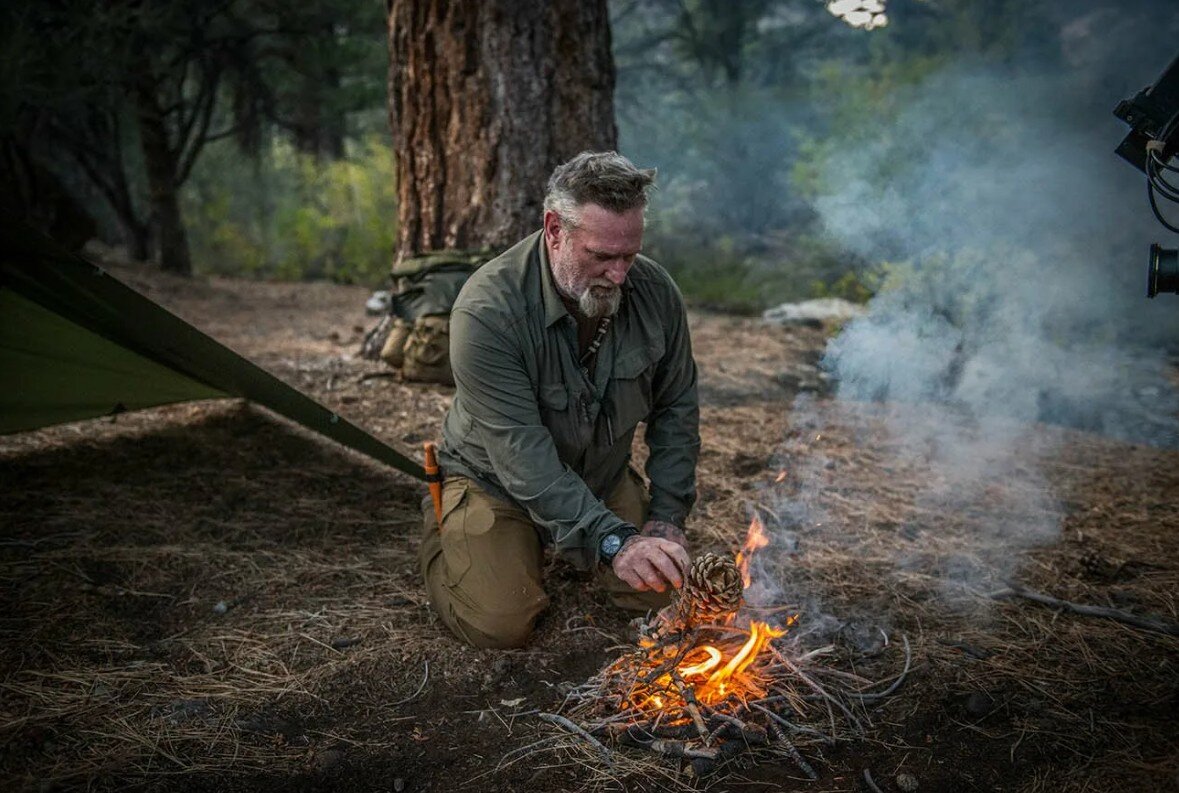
(1153, 116)
(1148, 113)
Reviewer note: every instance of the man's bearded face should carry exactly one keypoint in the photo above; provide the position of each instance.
(590, 261)
(596, 297)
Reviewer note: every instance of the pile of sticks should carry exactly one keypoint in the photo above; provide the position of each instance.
(784, 703)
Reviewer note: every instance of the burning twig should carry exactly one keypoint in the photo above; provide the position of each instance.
(682, 749)
(727, 726)
(691, 706)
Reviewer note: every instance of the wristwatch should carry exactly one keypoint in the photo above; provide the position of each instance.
(612, 543)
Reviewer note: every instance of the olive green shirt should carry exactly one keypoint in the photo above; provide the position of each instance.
(530, 424)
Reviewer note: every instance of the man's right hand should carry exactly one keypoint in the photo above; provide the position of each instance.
(651, 563)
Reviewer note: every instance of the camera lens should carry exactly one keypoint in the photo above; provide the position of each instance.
(1162, 273)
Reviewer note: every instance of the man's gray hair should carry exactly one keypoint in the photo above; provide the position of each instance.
(605, 178)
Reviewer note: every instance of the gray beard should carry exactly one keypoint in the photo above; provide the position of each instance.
(595, 306)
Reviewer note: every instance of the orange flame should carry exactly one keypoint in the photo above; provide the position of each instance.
(705, 671)
(760, 634)
(707, 665)
(756, 538)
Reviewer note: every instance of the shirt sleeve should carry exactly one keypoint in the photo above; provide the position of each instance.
(673, 429)
(501, 402)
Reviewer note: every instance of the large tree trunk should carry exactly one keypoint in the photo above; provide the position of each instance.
(486, 97)
(161, 161)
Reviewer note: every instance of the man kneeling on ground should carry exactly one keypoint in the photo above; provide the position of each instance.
(560, 347)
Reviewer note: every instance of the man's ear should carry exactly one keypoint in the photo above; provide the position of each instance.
(552, 229)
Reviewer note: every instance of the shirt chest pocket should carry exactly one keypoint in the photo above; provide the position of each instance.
(554, 397)
(632, 387)
(559, 415)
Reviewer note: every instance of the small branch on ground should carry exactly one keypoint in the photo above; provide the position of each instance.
(900, 679)
(414, 695)
(1153, 624)
(791, 750)
(561, 721)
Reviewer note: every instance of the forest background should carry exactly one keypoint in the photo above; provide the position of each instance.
(769, 120)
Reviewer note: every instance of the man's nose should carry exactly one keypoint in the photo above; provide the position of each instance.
(616, 271)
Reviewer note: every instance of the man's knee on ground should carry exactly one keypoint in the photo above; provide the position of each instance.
(499, 631)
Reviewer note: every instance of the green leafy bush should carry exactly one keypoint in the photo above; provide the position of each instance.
(290, 216)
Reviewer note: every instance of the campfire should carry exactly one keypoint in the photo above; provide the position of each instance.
(712, 678)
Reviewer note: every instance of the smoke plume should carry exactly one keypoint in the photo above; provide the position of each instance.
(1016, 241)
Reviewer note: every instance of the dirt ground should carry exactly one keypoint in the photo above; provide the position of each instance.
(206, 597)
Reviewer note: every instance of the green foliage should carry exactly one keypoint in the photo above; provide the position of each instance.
(865, 100)
(735, 273)
(293, 216)
(858, 287)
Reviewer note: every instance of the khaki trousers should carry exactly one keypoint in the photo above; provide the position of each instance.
(483, 569)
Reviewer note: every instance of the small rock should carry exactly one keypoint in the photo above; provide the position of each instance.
(979, 704)
(907, 782)
(220, 608)
(398, 785)
(328, 759)
(813, 313)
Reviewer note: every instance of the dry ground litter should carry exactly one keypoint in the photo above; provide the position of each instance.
(206, 597)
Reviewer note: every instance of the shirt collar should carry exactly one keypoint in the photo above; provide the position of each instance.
(554, 307)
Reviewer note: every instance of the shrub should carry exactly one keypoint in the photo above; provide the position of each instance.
(289, 216)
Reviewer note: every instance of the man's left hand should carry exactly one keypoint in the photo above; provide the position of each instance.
(664, 530)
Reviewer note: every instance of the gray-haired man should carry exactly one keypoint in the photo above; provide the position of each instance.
(560, 347)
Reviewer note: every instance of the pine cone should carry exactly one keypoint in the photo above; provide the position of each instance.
(711, 592)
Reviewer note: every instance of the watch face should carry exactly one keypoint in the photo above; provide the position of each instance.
(610, 545)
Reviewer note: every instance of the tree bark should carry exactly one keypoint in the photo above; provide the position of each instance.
(485, 99)
(162, 163)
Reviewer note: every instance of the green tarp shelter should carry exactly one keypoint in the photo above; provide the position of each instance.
(76, 343)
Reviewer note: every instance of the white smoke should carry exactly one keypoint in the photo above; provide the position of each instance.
(1017, 241)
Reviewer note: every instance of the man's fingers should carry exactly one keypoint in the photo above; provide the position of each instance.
(682, 558)
(653, 563)
(630, 571)
(668, 567)
(650, 574)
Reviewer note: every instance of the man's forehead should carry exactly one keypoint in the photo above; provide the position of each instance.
(599, 227)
